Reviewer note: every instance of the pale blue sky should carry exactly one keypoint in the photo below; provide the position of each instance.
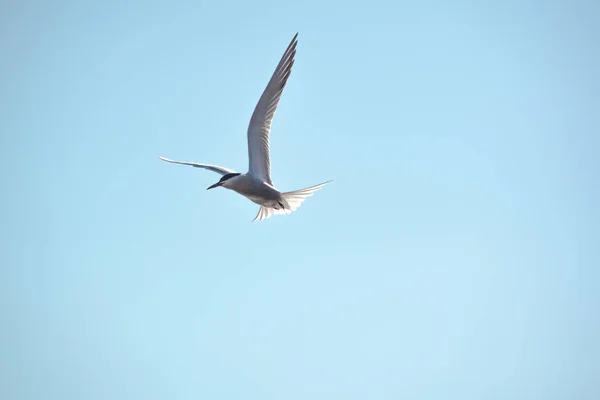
(455, 256)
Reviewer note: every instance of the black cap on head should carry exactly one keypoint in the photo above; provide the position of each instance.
(228, 176)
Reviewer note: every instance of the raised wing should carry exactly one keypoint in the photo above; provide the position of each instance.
(213, 168)
(260, 123)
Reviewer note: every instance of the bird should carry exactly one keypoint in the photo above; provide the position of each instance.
(256, 184)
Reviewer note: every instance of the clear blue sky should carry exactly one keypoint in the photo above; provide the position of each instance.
(455, 256)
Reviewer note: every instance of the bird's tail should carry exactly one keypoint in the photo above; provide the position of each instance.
(293, 200)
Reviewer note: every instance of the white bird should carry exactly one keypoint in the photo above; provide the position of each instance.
(256, 184)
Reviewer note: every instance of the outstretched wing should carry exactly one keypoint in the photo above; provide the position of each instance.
(260, 123)
(213, 168)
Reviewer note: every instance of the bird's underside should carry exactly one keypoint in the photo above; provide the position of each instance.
(256, 184)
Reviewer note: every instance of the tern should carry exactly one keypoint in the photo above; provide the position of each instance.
(256, 184)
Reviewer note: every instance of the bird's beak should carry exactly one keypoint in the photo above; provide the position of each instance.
(214, 186)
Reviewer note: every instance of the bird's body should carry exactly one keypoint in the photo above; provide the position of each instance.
(256, 184)
(256, 190)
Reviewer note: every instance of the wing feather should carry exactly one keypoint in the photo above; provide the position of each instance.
(213, 168)
(260, 123)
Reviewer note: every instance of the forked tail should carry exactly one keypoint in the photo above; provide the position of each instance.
(293, 200)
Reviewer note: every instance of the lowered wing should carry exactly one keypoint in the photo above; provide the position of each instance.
(213, 168)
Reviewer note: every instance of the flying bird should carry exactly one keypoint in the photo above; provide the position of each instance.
(256, 184)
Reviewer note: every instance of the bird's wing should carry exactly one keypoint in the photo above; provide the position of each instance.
(213, 168)
(260, 123)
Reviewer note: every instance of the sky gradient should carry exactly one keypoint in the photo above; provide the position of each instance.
(455, 255)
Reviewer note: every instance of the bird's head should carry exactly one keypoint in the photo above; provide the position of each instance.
(223, 179)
